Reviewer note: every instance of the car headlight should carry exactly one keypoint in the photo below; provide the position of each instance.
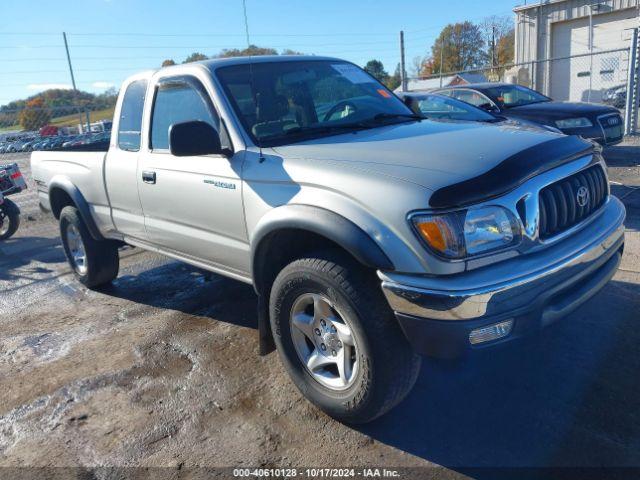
(466, 233)
(574, 123)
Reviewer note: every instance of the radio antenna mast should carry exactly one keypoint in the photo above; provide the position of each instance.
(251, 79)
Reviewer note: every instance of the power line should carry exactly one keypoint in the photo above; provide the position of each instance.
(210, 46)
(139, 34)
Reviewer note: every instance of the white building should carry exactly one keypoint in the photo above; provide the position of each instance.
(575, 49)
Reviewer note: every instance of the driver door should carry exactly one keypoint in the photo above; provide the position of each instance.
(192, 205)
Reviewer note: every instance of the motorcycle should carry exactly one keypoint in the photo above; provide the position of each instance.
(11, 182)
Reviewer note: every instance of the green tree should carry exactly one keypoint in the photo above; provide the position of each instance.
(288, 51)
(460, 46)
(375, 68)
(168, 62)
(34, 115)
(394, 80)
(250, 51)
(195, 57)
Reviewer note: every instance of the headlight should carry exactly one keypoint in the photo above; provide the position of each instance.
(467, 233)
(574, 123)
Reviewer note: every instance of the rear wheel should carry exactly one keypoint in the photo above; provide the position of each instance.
(338, 339)
(94, 262)
(9, 219)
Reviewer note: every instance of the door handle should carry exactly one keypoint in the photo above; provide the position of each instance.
(149, 177)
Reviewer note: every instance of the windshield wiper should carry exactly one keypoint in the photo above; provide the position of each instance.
(385, 116)
(527, 103)
(327, 128)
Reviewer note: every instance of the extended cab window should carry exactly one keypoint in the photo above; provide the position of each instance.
(177, 101)
(131, 116)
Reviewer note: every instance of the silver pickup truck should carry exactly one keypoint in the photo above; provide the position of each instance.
(370, 235)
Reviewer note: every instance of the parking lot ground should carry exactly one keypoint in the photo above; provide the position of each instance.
(161, 370)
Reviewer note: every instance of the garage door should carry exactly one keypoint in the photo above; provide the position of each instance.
(585, 78)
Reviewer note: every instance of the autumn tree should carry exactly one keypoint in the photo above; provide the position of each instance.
(34, 115)
(460, 46)
(505, 49)
(195, 57)
(168, 62)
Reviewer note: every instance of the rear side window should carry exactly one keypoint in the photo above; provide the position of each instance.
(129, 129)
(178, 101)
(469, 96)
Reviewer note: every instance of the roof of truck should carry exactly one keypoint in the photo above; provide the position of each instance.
(219, 62)
(214, 63)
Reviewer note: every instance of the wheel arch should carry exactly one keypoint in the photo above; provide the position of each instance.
(63, 193)
(294, 231)
(313, 225)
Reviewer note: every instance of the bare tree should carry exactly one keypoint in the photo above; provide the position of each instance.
(494, 30)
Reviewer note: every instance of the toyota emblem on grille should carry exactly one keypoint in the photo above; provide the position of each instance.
(582, 196)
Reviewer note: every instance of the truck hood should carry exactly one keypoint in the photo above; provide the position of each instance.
(432, 154)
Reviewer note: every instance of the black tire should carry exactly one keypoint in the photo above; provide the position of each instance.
(102, 259)
(388, 367)
(10, 214)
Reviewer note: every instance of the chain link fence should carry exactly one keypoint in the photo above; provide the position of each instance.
(33, 128)
(609, 77)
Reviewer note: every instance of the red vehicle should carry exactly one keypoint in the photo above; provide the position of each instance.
(48, 131)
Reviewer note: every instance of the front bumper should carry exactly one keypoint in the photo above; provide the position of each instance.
(437, 314)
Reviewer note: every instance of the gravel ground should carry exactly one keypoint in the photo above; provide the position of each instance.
(161, 370)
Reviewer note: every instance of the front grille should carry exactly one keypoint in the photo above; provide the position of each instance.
(569, 201)
(612, 127)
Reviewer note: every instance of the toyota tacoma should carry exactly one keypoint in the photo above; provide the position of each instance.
(372, 236)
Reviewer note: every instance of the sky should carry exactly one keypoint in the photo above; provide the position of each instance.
(112, 39)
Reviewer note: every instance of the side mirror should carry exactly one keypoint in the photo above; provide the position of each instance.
(194, 138)
(412, 104)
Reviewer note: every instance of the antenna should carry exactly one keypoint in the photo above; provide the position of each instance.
(253, 89)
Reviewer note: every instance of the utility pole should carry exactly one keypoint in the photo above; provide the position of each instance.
(73, 79)
(441, 58)
(493, 46)
(403, 72)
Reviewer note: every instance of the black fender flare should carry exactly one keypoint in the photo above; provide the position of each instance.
(79, 202)
(325, 223)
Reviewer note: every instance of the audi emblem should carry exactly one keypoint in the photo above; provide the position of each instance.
(582, 197)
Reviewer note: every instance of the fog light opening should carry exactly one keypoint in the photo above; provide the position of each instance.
(492, 332)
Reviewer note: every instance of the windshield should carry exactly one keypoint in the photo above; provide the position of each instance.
(441, 107)
(287, 102)
(514, 95)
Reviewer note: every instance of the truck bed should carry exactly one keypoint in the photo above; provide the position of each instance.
(86, 169)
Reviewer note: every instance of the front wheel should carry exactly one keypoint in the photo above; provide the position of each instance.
(338, 339)
(95, 263)
(9, 219)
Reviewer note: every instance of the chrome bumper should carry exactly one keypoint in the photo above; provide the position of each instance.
(550, 283)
